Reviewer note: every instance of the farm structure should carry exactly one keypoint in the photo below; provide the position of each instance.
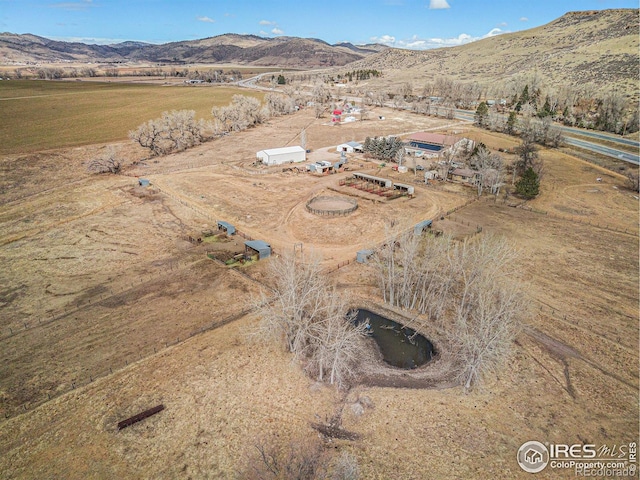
(380, 186)
(350, 147)
(259, 247)
(433, 145)
(226, 227)
(278, 156)
(408, 189)
(419, 227)
(362, 256)
(464, 175)
(321, 167)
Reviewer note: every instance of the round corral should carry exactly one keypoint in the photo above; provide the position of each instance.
(334, 206)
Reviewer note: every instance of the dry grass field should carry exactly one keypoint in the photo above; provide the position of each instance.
(108, 310)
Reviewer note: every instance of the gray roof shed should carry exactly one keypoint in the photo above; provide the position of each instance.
(260, 246)
(418, 229)
(362, 256)
(227, 227)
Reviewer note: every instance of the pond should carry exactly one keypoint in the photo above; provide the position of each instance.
(400, 346)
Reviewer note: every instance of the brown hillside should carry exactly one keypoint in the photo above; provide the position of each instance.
(595, 49)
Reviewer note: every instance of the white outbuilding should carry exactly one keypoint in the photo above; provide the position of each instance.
(350, 147)
(278, 156)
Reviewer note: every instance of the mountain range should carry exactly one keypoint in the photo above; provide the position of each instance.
(228, 48)
(592, 50)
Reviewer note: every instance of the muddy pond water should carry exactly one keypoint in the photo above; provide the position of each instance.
(400, 346)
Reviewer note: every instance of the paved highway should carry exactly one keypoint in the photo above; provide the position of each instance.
(608, 151)
(593, 147)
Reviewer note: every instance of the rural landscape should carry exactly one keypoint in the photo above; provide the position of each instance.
(196, 239)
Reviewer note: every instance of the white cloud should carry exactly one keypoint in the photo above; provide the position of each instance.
(277, 31)
(524, 19)
(385, 40)
(438, 4)
(96, 40)
(417, 43)
(502, 24)
(206, 19)
(267, 22)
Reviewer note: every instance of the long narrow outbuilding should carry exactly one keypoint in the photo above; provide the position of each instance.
(279, 156)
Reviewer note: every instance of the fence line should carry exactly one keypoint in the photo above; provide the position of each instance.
(151, 350)
(593, 223)
(76, 306)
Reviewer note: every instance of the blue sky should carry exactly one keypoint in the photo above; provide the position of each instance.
(417, 24)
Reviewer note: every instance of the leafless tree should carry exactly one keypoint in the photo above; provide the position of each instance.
(405, 90)
(277, 104)
(243, 112)
(471, 290)
(321, 97)
(490, 168)
(310, 317)
(174, 131)
(301, 459)
(304, 459)
(107, 162)
(633, 180)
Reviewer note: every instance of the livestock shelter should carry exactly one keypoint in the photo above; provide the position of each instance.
(226, 227)
(262, 248)
(464, 175)
(350, 147)
(408, 189)
(383, 182)
(419, 227)
(362, 256)
(278, 156)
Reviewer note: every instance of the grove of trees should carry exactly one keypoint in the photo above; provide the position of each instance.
(172, 132)
(470, 291)
(383, 148)
(309, 317)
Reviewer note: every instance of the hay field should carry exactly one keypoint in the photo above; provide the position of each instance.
(106, 267)
(40, 115)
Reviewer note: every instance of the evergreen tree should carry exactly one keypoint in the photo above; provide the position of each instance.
(482, 114)
(529, 184)
(511, 122)
(524, 96)
(281, 80)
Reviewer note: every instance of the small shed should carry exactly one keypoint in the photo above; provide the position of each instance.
(362, 256)
(143, 182)
(226, 227)
(419, 228)
(431, 175)
(350, 147)
(465, 175)
(262, 248)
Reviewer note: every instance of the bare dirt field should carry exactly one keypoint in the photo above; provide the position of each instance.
(108, 309)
